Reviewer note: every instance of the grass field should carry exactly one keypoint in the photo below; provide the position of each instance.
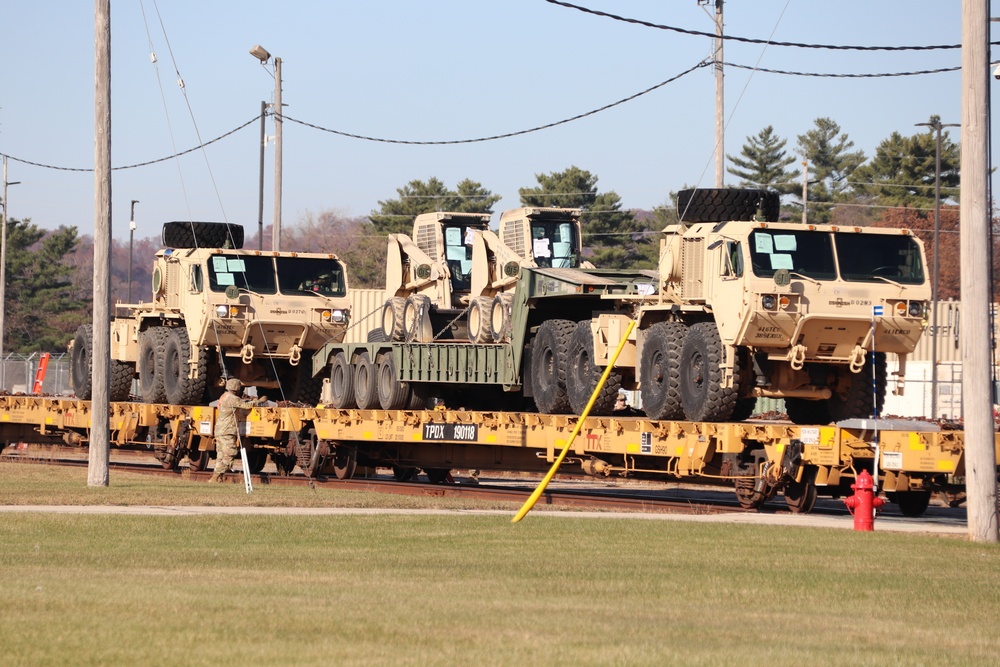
(469, 589)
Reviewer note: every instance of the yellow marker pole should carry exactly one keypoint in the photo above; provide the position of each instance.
(537, 493)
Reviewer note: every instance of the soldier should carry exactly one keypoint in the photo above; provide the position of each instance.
(226, 444)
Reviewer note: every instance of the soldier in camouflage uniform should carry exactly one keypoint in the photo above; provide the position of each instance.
(226, 425)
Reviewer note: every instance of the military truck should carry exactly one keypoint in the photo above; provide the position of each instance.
(220, 311)
(741, 306)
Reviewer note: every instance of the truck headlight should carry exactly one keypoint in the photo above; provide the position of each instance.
(222, 310)
(769, 301)
(336, 316)
(916, 308)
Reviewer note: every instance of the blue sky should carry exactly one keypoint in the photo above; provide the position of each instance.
(432, 71)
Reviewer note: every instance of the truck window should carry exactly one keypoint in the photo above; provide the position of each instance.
(804, 252)
(458, 255)
(553, 244)
(315, 275)
(245, 271)
(867, 257)
(733, 259)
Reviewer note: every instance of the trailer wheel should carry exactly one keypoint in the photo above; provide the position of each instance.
(181, 234)
(702, 394)
(910, 503)
(659, 368)
(342, 382)
(392, 318)
(857, 399)
(500, 321)
(120, 380)
(725, 204)
(480, 318)
(365, 391)
(548, 366)
(82, 368)
(178, 386)
(582, 375)
(393, 394)
(151, 364)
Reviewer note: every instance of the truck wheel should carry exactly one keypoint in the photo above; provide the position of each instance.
(202, 235)
(416, 319)
(82, 368)
(744, 408)
(392, 318)
(806, 411)
(500, 323)
(702, 395)
(365, 392)
(342, 382)
(659, 368)
(582, 375)
(479, 320)
(178, 387)
(725, 204)
(151, 369)
(120, 380)
(392, 393)
(860, 396)
(548, 366)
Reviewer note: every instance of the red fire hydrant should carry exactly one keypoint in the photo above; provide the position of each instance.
(864, 503)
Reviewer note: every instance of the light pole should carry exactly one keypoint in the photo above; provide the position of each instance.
(936, 126)
(263, 55)
(131, 237)
(3, 275)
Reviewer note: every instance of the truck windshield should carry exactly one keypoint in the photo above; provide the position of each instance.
(245, 271)
(868, 257)
(318, 275)
(804, 252)
(553, 244)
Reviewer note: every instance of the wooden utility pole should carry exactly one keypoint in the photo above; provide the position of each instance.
(276, 232)
(977, 390)
(805, 188)
(100, 436)
(720, 107)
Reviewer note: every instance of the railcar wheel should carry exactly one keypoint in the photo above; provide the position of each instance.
(257, 458)
(659, 369)
(198, 459)
(393, 394)
(392, 318)
(747, 495)
(702, 394)
(151, 364)
(82, 363)
(801, 496)
(345, 461)
(342, 382)
(403, 473)
(438, 475)
(582, 374)
(365, 391)
(178, 387)
(548, 366)
(911, 503)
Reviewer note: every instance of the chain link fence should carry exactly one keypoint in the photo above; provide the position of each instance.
(17, 374)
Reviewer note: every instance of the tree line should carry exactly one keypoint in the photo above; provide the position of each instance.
(50, 273)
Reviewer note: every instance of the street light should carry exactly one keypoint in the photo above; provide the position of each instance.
(263, 55)
(131, 236)
(936, 126)
(3, 273)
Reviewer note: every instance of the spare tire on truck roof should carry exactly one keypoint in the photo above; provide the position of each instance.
(725, 204)
(181, 234)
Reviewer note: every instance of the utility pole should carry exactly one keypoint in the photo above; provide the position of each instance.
(977, 390)
(936, 125)
(131, 238)
(3, 275)
(260, 187)
(100, 433)
(805, 188)
(720, 107)
(276, 232)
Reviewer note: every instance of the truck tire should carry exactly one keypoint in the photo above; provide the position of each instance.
(392, 318)
(582, 375)
(859, 399)
(392, 393)
(702, 395)
(120, 381)
(500, 324)
(82, 362)
(659, 368)
(178, 387)
(202, 235)
(365, 391)
(342, 382)
(151, 364)
(479, 320)
(549, 358)
(725, 204)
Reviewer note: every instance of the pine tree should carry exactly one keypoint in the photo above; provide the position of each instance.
(831, 163)
(763, 162)
(395, 216)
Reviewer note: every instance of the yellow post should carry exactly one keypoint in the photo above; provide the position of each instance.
(537, 493)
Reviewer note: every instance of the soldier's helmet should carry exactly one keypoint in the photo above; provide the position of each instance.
(233, 384)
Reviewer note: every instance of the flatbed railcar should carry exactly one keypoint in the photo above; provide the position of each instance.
(758, 458)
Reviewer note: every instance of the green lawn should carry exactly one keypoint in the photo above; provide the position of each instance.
(469, 590)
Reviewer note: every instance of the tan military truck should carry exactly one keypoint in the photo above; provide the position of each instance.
(219, 311)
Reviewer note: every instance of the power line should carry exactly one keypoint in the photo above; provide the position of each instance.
(845, 76)
(749, 40)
